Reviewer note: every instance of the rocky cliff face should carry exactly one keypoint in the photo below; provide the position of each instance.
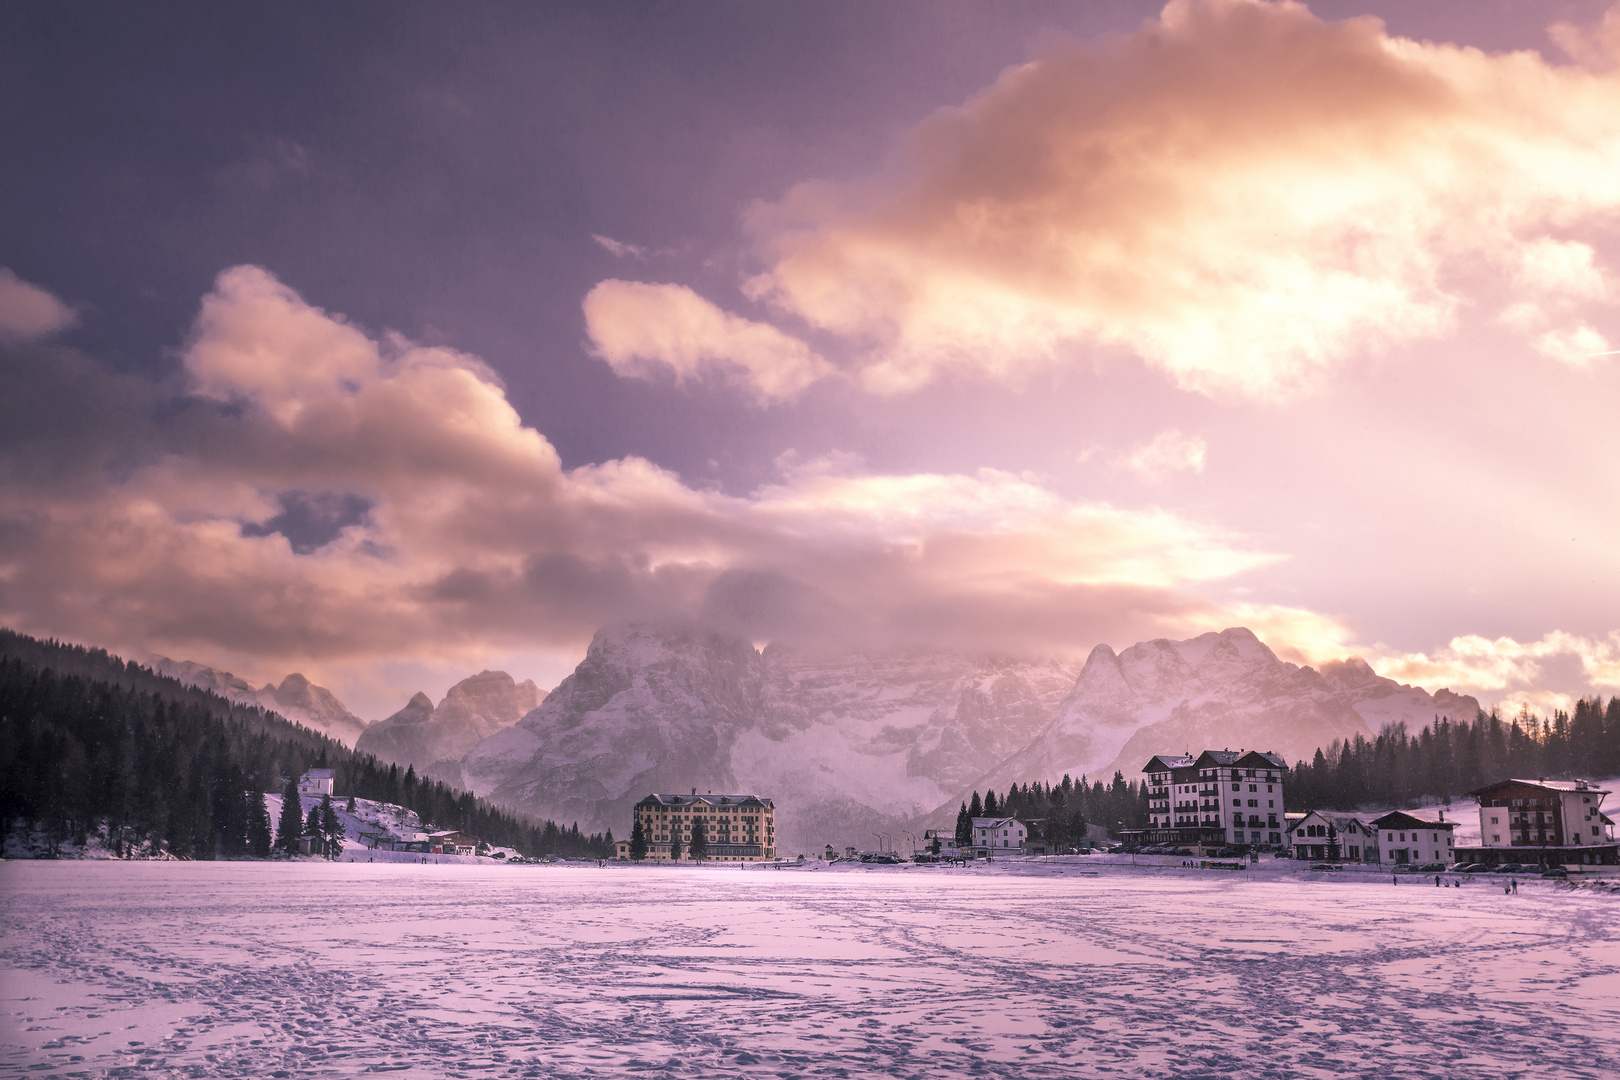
(1225, 690)
(434, 739)
(298, 699)
(853, 744)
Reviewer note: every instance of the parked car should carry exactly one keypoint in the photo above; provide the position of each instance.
(1511, 868)
(1555, 872)
(1474, 868)
(1433, 868)
(1324, 867)
(1407, 868)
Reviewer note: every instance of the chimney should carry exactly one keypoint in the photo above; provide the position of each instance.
(694, 791)
(1442, 816)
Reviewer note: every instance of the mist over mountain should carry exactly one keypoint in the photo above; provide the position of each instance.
(853, 744)
(298, 699)
(434, 739)
(1217, 690)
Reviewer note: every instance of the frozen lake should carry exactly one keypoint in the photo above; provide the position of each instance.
(309, 969)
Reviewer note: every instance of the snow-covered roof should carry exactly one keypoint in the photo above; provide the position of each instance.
(319, 774)
(993, 822)
(1585, 787)
(745, 801)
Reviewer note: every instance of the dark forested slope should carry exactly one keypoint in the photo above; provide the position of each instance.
(90, 743)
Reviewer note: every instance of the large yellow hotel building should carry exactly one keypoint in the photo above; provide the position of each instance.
(738, 828)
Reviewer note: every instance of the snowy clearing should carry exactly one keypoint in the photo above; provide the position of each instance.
(334, 969)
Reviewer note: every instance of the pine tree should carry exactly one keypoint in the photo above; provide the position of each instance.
(331, 827)
(990, 806)
(350, 807)
(975, 807)
(964, 827)
(258, 824)
(675, 847)
(700, 841)
(638, 841)
(291, 825)
(312, 824)
(1333, 848)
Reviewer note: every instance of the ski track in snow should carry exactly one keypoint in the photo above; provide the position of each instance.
(307, 969)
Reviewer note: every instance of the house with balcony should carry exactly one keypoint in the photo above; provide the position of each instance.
(1544, 823)
(1313, 836)
(1220, 798)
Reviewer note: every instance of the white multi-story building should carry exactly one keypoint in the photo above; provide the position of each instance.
(1405, 838)
(999, 836)
(1545, 821)
(1219, 798)
(736, 828)
(1313, 836)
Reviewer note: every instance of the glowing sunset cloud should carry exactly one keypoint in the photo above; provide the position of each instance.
(1042, 328)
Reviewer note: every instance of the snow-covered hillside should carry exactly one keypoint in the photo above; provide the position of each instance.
(298, 699)
(855, 744)
(852, 744)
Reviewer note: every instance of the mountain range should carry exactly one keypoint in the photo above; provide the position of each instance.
(297, 699)
(435, 739)
(854, 746)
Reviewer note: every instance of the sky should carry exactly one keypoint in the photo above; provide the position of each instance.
(398, 341)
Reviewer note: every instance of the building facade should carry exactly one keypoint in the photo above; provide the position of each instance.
(1545, 822)
(316, 782)
(999, 836)
(1313, 836)
(1405, 839)
(736, 828)
(1218, 798)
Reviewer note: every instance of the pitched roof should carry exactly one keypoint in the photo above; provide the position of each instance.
(1565, 786)
(1401, 819)
(993, 822)
(747, 802)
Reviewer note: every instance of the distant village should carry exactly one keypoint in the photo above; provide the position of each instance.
(1219, 808)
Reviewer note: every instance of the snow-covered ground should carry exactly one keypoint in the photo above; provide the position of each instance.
(1083, 968)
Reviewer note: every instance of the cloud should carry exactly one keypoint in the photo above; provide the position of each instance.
(326, 500)
(28, 312)
(1542, 674)
(1579, 348)
(619, 248)
(642, 329)
(1242, 194)
(1170, 452)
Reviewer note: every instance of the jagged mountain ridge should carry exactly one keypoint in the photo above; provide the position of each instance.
(859, 744)
(853, 743)
(1224, 689)
(433, 740)
(297, 699)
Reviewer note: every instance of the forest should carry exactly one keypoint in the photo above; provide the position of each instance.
(1451, 758)
(1061, 811)
(94, 743)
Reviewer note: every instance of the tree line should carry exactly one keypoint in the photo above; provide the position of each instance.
(92, 744)
(1060, 812)
(1449, 758)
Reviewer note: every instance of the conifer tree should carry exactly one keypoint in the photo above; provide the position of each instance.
(350, 807)
(675, 847)
(964, 827)
(258, 824)
(975, 807)
(1333, 849)
(291, 825)
(700, 841)
(312, 824)
(990, 806)
(331, 826)
(638, 841)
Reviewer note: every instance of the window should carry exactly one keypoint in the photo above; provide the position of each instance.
(1254, 787)
(1237, 802)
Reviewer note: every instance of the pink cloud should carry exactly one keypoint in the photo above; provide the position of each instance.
(1242, 194)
